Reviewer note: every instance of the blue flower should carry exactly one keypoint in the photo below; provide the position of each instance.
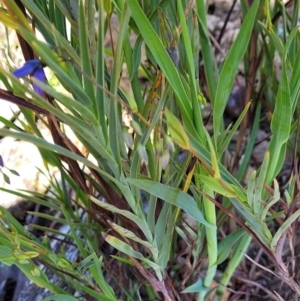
(33, 68)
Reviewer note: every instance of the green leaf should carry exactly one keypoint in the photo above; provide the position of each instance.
(164, 61)
(86, 263)
(230, 67)
(96, 271)
(280, 127)
(41, 280)
(6, 177)
(273, 200)
(209, 60)
(197, 116)
(122, 246)
(13, 172)
(196, 287)
(60, 298)
(253, 222)
(251, 188)
(250, 145)
(237, 256)
(183, 236)
(204, 156)
(140, 223)
(283, 228)
(85, 54)
(173, 196)
(131, 235)
(218, 186)
(6, 255)
(223, 143)
(257, 205)
(176, 130)
(226, 244)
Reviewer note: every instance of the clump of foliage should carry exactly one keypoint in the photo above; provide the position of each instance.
(130, 178)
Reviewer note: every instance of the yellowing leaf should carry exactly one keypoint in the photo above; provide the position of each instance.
(177, 131)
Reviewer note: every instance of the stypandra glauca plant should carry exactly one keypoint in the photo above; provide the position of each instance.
(163, 211)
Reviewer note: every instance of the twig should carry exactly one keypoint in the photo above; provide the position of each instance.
(10, 97)
(254, 283)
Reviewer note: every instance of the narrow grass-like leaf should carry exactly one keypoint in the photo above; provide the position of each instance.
(68, 11)
(237, 257)
(190, 231)
(273, 201)
(127, 214)
(213, 155)
(198, 122)
(230, 67)
(60, 21)
(177, 130)
(218, 186)
(91, 291)
(16, 225)
(85, 55)
(251, 188)
(53, 61)
(253, 222)
(122, 246)
(97, 273)
(100, 75)
(294, 84)
(183, 236)
(47, 217)
(226, 244)
(33, 199)
(270, 31)
(173, 196)
(69, 103)
(31, 6)
(166, 249)
(79, 243)
(86, 263)
(164, 61)
(60, 297)
(211, 236)
(257, 205)
(115, 130)
(209, 61)
(82, 130)
(131, 235)
(249, 148)
(8, 123)
(7, 20)
(280, 127)
(204, 156)
(145, 141)
(223, 144)
(160, 225)
(287, 223)
(56, 148)
(16, 14)
(196, 288)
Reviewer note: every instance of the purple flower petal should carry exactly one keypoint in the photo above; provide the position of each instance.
(1, 162)
(39, 74)
(28, 68)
